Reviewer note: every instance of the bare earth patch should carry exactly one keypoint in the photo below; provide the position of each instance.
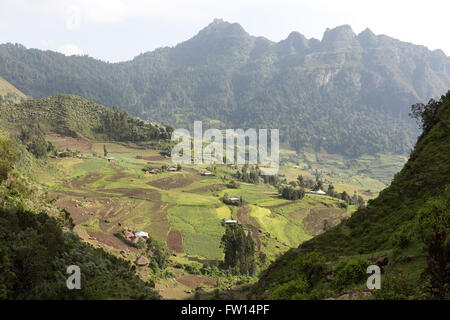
(314, 222)
(175, 241)
(110, 240)
(75, 144)
(193, 281)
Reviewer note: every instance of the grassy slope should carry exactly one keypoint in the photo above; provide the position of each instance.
(372, 231)
(56, 112)
(7, 88)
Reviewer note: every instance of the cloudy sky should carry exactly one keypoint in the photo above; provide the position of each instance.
(118, 30)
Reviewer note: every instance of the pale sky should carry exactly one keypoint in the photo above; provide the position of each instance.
(118, 30)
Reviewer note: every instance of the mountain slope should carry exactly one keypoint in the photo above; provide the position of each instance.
(392, 225)
(72, 115)
(345, 94)
(37, 244)
(9, 92)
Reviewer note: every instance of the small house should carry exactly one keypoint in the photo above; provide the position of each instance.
(142, 261)
(233, 199)
(206, 174)
(230, 221)
(111, 160)
(141, 234)
(319, 192)
(171, 169)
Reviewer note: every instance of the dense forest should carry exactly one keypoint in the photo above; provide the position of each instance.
(345, 94)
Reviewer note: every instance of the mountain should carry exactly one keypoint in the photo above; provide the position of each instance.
(406, 230)
(347, 93)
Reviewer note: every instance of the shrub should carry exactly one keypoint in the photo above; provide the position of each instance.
(399, 287)
(7, 158)
(351, 271)
(292, 290)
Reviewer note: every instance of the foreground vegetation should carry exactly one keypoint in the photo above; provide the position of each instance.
(405, 230)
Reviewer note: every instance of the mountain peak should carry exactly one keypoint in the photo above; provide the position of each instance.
(339, 37)
(221, 26)
(294, 43)
(367, 38)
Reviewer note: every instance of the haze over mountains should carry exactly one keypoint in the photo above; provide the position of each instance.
(346, 94)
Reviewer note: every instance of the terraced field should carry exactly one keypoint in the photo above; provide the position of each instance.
(181, 208)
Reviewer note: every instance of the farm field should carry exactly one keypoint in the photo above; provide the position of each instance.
(184, 209)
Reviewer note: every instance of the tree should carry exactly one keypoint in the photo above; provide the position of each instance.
(239, 249)
(330, 190)
(160, 253)
(433, 229)
(301, 180)
(105, 151)
(425, 115)
(290, 193)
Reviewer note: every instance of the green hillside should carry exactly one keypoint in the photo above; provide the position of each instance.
(37, 243)
(71, 115)
(9, 93)
(408, 224)
(346, 94)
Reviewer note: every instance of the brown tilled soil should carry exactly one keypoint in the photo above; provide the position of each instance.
(175, 241)
(173, 182)
(250, 223)
(314, 221)
(137, 192)
(120, 174)
(193, 281)
(75, 144)
(90, 178)
(111, 240)
(78, 215)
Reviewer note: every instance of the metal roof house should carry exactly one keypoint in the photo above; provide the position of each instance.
(318, 192)
(141, 234)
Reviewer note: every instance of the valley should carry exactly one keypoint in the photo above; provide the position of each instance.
(102, 196)
(184, 210)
